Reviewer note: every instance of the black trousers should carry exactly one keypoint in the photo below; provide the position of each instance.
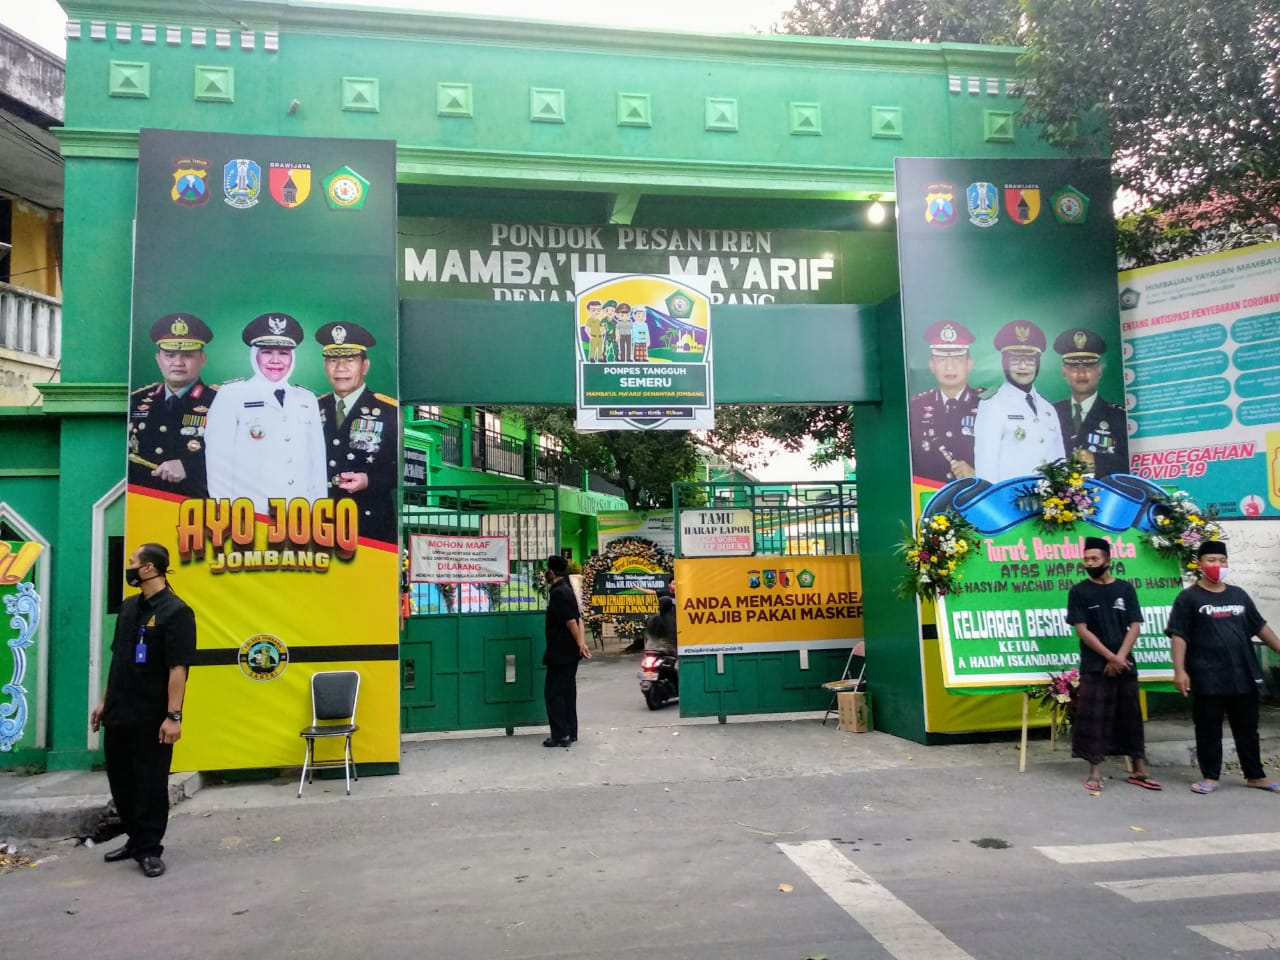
(561, 695)
(138, 772)
(1241, 710)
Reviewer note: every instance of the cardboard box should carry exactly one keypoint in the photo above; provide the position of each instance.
(855, 712)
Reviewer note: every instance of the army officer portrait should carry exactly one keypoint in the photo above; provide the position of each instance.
(361, 431)
(1095, 431)
(167, 418)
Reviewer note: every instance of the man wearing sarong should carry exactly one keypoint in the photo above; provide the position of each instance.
(1108, 718)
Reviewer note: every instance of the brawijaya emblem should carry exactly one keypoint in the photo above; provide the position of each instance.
(289, 183)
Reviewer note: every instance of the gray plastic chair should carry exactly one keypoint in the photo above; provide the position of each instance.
(333, 714)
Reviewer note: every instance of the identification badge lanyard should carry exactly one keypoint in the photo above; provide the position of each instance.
(140, 651)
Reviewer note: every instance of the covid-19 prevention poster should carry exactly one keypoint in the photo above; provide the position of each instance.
(264, 431)
(1202, 377)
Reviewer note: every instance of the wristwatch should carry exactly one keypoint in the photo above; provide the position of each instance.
(174, 714)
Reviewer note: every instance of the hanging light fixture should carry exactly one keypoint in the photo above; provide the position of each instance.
(875, 212)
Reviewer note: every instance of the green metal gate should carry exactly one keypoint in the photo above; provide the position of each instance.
(789, 520)
(471, 654)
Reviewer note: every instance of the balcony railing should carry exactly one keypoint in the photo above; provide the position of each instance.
(495, 453)
(30, 324)
(556, 468)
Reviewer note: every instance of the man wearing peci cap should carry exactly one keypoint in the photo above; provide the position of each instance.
(264, 438)
(1107, 618)
(361, 431)
(942, 419)
(1017, 429)
(167, 419)
(1212, 624)
(566, 645)
(1092, 429)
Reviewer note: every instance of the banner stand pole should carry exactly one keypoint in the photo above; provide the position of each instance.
(1022, 748)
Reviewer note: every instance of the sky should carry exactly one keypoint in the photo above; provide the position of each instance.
(42, 20)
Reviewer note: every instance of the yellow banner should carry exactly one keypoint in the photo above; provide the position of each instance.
(757, 604)
(274, 604)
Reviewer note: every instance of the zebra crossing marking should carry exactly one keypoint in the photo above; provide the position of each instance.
(1158, 849)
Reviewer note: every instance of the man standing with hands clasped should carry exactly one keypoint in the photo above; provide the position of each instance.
(1211, 625)
(565, 647)
(155, 641)
(1108, 718)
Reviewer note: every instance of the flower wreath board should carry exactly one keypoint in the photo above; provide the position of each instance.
(616, 581)
(998, 561)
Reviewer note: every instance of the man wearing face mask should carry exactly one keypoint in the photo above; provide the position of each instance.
(565, 647)
(1108, 718)
(263, 436)
(155, 642)
(1211, 625)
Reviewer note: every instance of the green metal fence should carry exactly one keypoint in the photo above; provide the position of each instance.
(788, 520)
(470, 653)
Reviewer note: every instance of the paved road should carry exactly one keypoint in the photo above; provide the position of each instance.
(655, 839)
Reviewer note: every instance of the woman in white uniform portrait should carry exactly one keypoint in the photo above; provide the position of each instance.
(263, 436)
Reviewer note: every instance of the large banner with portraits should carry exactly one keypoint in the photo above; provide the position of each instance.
(1013, 349)
(264, 431)
(1010, 317)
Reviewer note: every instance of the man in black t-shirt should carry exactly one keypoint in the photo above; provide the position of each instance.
(155, 642)
(565, 647)
(1108, 719)
(1211, 625)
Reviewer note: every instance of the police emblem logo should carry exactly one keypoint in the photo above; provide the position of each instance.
(289, 183)
(242, 183)
(1070, 205)
(1022, 202)
(948, 334)
(345, 189)
(263, 657)
(981, 198)
(939, 205)
(190, 183)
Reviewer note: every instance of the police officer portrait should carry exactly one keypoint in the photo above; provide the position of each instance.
(361, 431)
(263, 436)
(1017, 429)
(1094, 431)
(167, 418)
(942, 419)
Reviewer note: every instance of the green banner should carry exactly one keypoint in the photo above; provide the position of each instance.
(1008, 625)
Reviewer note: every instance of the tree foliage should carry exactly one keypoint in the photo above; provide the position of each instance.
(1185, 94)
(955, 21)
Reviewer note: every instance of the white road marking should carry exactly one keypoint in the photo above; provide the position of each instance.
(1158, 849)
(1187, 888)
(898, 928)
(1254, 935)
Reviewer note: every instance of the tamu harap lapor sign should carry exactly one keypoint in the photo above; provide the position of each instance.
(717, 533)
(642, 352)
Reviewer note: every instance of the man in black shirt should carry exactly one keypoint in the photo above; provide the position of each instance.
(1211, 625)
(155, 641)
(565, 647)
(1108, 717)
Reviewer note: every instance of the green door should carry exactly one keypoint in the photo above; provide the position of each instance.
(471, 653)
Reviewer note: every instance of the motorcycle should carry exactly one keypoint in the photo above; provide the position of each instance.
(659, 677)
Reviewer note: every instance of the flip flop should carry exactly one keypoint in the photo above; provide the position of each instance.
(1269, 787)
(1203, 786)
(1145, 782)
(1093, 786)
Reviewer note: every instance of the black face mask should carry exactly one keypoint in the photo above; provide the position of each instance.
(1098, 572)
(131, 576)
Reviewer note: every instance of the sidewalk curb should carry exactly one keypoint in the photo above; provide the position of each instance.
(76, 815)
